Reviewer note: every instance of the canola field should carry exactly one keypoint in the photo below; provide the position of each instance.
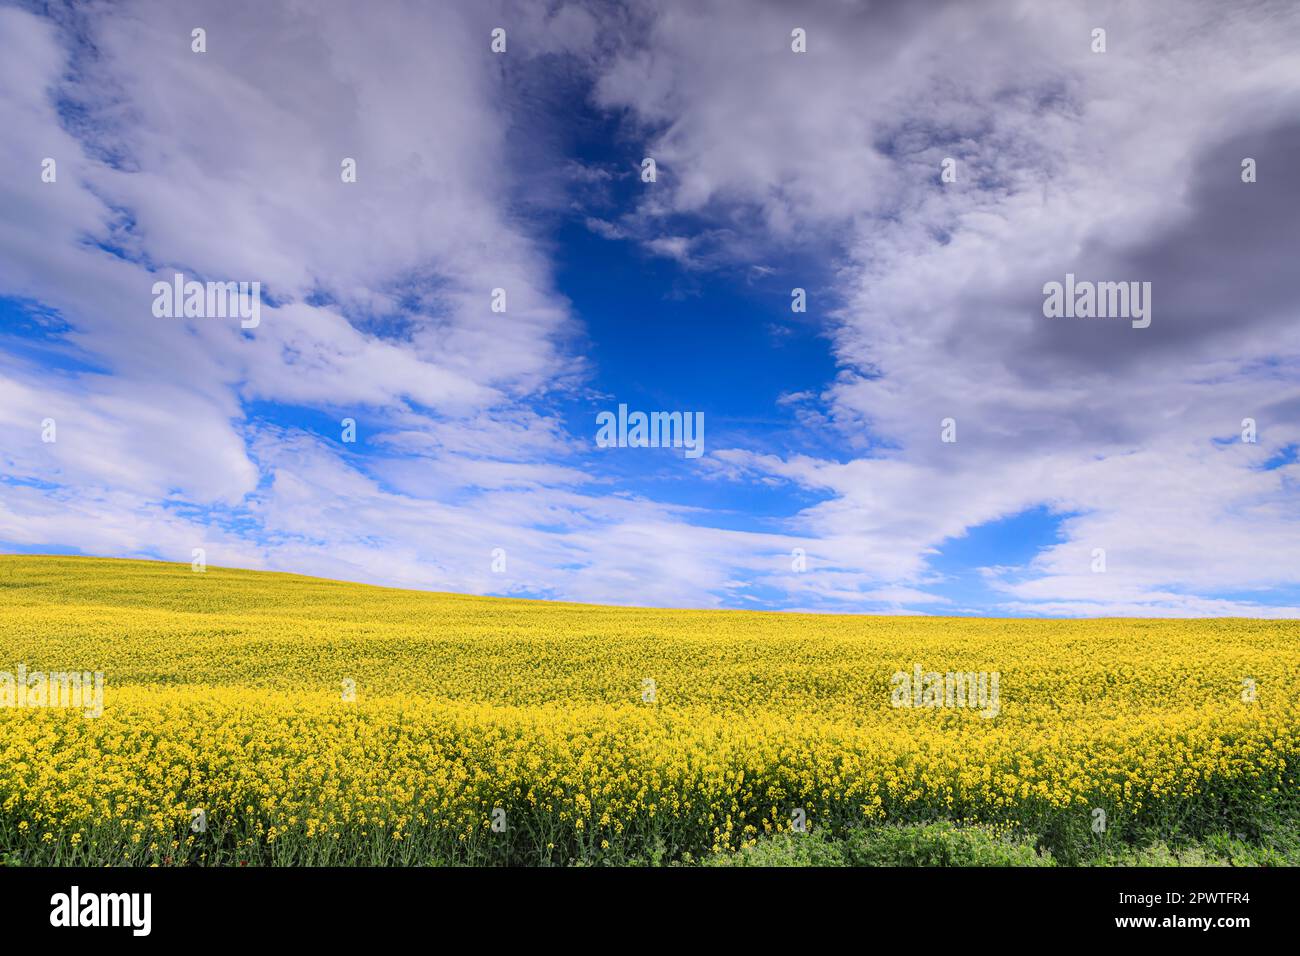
(251, 718)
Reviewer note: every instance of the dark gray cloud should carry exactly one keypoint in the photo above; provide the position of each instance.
(1222, 267)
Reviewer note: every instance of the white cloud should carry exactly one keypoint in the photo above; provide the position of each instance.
(226, 164)
(1067, 160)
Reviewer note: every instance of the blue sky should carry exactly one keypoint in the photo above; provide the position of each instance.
(776, 170)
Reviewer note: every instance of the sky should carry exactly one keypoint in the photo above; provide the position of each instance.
(1098, 468)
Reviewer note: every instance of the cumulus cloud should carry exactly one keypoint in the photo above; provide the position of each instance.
(226, 166)
(1123, 165)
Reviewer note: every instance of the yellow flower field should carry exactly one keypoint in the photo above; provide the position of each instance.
(264, 718)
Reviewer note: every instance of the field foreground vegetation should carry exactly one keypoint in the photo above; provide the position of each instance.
(255, 718)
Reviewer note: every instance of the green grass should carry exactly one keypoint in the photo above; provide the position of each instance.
(949, 844)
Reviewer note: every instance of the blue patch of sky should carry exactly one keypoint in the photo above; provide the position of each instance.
(37, 334)
(1287, 455)
(1010, 542)
(9, 547)
(711, 337)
